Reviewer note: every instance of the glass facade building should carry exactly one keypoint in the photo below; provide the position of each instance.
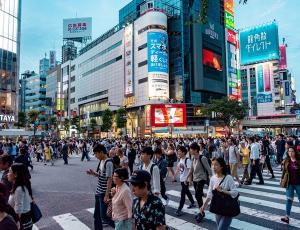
(10, 12)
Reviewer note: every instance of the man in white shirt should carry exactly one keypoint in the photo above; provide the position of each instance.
(255, 158)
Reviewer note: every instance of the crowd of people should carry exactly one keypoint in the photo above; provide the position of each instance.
(132, 173)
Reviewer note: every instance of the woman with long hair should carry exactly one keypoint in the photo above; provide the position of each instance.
(171, 159)
(291, 175)
(224, 183)
(21, 194)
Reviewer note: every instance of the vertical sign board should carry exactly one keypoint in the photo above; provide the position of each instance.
(128, 49)
(259, 44)
(282, 60)
(229, 20)
(158, 65)
(264, 93)
(229, 6)
(287, 88)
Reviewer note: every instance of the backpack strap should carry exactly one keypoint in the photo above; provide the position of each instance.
(222, 180)
(185, 162)
(151, 169)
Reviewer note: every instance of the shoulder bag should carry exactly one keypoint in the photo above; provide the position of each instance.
(223, 204)
(36, 213)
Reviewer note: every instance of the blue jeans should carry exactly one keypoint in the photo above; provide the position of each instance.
(290, 197)
(123, 225)
(100, 213)
(223, 222)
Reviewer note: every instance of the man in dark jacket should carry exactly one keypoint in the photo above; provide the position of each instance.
(280, 147)
(131, 154)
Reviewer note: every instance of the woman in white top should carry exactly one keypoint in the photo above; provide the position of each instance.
(228, 187)
(21, 195)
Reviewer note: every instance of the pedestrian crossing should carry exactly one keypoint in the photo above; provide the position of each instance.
(261, 209)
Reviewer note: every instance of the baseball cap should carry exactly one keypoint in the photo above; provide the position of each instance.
(140, 176)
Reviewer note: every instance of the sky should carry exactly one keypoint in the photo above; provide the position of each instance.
(41, 28)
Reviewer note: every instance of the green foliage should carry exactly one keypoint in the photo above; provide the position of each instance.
(107, 119)
(227, 110)
(67, 124)
(121, 118)
(33, 116)
(21, 119)
(93, 124)
(53, 122)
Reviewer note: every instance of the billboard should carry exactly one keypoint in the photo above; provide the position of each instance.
(158, 58)
(212, 59)
(128, 49)
(229, 20)
(287, 88)
(164, 115)
(77, 28)
(231, 37)
(282, 60)
(229, 6)
(259, 44)
(158, 85)
(264, 93)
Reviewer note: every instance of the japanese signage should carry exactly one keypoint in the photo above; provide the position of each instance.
(229, 6)
(229, 20)
(259, 44)
(128, 43)
(264, 93)
(77, 28)
(158, 61)
(282, 61)
(158, 85)
(163, 115)
(211, 32)
(7, 118)
(231, 37)
(287, 88)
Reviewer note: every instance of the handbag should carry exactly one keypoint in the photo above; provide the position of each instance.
(223, 204)
(36, 213)
(284, 183)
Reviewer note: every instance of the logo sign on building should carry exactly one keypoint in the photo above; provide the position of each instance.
(229, 20)
(287, 88)
(75, 28)
(232, 70)
(4, 118)
(164, 115)
(210, 31)
(282, 61)
(158, 60)
(231, 37)
(259, 44)
(128, 49)
(229, 6)
(264, 93)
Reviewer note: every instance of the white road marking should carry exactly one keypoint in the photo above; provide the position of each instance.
(69, 222)
(180, 224)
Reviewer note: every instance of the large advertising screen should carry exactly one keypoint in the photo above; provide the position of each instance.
(212, 59)
(77, 28)
(158, 85)
(158, 58)
(128, 49)
(164, 115)
(229, 20)
(282, 60)
(259, 44)
(264, 93)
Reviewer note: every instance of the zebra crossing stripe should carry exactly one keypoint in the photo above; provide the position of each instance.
(34, 227)
(269, 182)
(179, 224)
(266, 187)
(69, 222)
(237, 224)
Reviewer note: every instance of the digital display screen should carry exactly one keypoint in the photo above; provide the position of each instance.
(212, 59)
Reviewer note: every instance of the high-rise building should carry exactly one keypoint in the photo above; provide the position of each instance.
(69, 51)
(44, 66)
(10, 20)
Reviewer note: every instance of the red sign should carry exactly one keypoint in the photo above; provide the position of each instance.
(229, 6)
(283, 61)
(164, 115)
(231, 37)
(212, 59)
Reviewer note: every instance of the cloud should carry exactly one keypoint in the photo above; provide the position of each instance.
(273, 8)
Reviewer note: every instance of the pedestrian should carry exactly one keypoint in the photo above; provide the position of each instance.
(280, 147)
(123, 159)
(47, 154)
(121, 200)
(171, 159)
(148, 211)
(255, 160)
(84, 151)
(6, 221)
(131, 154)
(149, 166)
(21, 195)
(234, 158)
(183, 168)
(291, 180)
(162, 165)
(245, 153)
(104, 174)
(5, 163)
(266, 152)
(65, 152)
(224, 183)
(199, 175)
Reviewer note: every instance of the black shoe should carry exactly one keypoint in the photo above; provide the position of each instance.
(199, 217)
(285, 220)
(247, 183)
(260, 183)
(191, 206)
(179, 213)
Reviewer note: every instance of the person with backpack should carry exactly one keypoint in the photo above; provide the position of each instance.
(183, 168)
(149, 166)
(162, 165)
(199, 175)
(104, 174)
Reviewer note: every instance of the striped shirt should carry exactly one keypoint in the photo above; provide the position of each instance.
(105, 171)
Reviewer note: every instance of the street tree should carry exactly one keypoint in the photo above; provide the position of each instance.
(93, 125)
(53, 122)
(121, 118)
(21, 119)
(107, 119)
(33, 118)
(76, 121)
(67, 124)
(227, 110)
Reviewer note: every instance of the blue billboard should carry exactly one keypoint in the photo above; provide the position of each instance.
(158, 60)
(259, 44)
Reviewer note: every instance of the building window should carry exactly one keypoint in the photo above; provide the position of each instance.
(72, 100)
(93, 95)
(72, 68)
(72, 89)
(143, 63)
(72, 78)
(143, 80)
(142, 47)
